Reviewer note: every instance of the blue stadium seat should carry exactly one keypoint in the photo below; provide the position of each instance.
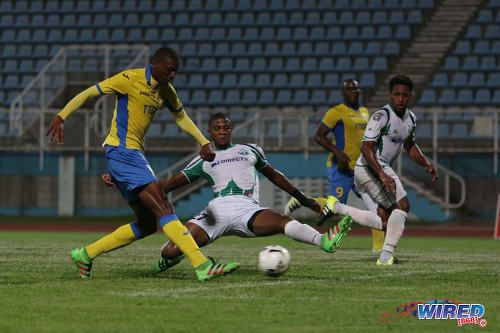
(280, 80)
(221, 49)
(333, 33)
(391, 48)
(195, 80)
(451, 63)
(459, 130)
(208, 65)
(215, 97)
(339, 48)
(318, 96)
(288, 49)
(384, 32)
(232, 97)
(403, 32)
(350, 33)
(201, 34)
(355, 48)
(465, 96)
(343, 64)
(483, 96)
(488, 63)
(225, 64)
(481, 47)
(360, 64)
(379, 17)
(238, 49)
(367, 80)
(459, 79)
(242, 64)
(234, 34)
(229, 81)
(199, 97)
(448, 96)
(326, 64)
(476, 80)
(263, 80)
(346, 18)
(309, 64)
(11, 82)
(259, 64)
(471, 63)
(397, 17)
(41, 34)
(462, 47)
(492, 31)
(493, 80)
(276, 64)
(266, 96)
(212, 80)
(314, 80)
(373, 48)
(428, 97)
(474, 31)
(292, 64)
(379, 64)
(118, 35)
(231, 19)
(249, 97)
(485, 16)
(305, 48)
(495, 48)
(297, 80)
(440, 80)
(374, 4)
(257, 49)
(362, 17)
(496, 97)
(284, 96)
(414, 17)
(358, 4)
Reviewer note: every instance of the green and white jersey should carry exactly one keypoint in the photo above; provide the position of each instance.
(390, 132)
(232, 172)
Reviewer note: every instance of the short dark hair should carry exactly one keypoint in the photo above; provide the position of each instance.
(165, 52)
(401, 79)
(215, 116)
(348, 80)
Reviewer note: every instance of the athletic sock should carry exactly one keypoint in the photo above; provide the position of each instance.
(179, 234)
(395, 228)
(378, 239)
(360, 216)
(302, 233)
(122, 236)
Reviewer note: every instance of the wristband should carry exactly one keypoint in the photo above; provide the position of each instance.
(299, 196)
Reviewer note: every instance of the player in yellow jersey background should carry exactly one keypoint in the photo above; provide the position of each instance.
(140, 94)
(347, 122)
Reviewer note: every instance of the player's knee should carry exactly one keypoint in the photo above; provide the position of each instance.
(403, 205)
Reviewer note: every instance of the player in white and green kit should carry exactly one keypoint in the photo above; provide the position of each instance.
(235, 210)
(389, 130)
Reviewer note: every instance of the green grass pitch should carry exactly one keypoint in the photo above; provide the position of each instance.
(341, 292)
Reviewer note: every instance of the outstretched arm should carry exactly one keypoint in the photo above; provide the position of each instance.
(173, 183)
(187, 125)
(56, 127)
(415, 154)
(278, 179)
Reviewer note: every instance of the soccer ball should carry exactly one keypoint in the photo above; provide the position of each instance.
(274, 260)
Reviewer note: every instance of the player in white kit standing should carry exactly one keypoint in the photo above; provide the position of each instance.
(389, 130)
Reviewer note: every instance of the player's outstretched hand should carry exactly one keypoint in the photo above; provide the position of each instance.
(207, 153)
(56, 128)
(106, 178)
(312, 204)
(432, 169)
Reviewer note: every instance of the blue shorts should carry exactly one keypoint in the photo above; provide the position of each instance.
(129, 170)
(341, 183)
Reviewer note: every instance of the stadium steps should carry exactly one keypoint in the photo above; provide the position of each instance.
(429, 48)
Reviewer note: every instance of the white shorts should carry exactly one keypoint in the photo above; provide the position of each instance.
(372, 190)
(229, 215)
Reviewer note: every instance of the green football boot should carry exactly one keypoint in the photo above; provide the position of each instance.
(82, 261)
(331, 240)
(209, 269)
(161, 264)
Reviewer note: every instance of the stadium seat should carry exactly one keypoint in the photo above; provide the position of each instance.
(326, 64)
(266, 97)
(459, 79)
(482, 97)
(379, 64)
(391, 48)
(474, 31)
(493, 80)
(263, 80)
(492, 31)
(462, 47)
(485, 16)
(471, 63)
(403, 32)
(229, 81)
(212, 80)
(297, 80)
(496, 97)
(451, 63)
(318, 97)
(360, 64)
(367, 80)
(465, 96)
(440, 80)
(215, 97)
(246, 80)
(232, 97)
(314, 80)
(428, 97)
(476, 80)
(448, 96)
(481, 47)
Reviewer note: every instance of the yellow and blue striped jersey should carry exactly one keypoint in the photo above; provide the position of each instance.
(137, 100)
(348, 126)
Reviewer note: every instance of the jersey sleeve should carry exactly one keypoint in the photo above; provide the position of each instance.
(261, 158)
(118, 84)
(194, 169)
(330, 118)
(376, 126)
(411, 137)
(170, 98)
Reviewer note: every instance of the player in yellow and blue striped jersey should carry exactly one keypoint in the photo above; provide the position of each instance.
(140, 94)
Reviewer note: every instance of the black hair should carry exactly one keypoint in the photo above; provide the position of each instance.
(165, 52)
(401, 79)
(215, 116)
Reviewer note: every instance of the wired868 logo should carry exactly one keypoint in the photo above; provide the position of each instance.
(439, 309)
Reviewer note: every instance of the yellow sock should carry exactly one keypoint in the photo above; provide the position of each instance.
(321, 201)
(378, 239)
(179, 234)
(122, 236)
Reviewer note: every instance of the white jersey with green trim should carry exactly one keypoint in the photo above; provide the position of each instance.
(390, 132)
(232, 172)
